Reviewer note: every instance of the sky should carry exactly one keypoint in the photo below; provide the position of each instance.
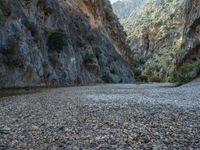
(112, 1)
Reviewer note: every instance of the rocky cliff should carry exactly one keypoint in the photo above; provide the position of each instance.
(155, 36)
(188, 66)
(164, 39)
(59, 42)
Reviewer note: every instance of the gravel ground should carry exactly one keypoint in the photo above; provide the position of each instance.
(145, 116)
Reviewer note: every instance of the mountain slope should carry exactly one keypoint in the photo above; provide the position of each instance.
(156, 37)
(124, 8)
(155, 34)
(51, 42)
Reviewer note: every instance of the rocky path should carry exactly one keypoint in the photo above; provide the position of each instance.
(146, 116)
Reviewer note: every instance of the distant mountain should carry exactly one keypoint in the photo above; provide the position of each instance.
(124, 8)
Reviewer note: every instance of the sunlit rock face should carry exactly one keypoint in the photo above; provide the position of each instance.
(61, 42)
(155, 35)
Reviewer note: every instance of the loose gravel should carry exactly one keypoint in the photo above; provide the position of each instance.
(126, 116)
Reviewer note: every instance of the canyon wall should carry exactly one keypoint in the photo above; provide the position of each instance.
(59, 42)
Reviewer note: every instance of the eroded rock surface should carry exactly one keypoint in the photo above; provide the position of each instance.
(59, 42)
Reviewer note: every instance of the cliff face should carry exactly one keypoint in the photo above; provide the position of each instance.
(155, 35)
(51, 42)
(188, 66)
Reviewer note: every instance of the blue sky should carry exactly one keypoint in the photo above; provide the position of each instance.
(112, 1)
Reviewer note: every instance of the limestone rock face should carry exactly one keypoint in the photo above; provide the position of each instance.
(155, 35)
(61, 42)
(189, 58)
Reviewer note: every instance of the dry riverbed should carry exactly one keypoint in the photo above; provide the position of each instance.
(127, 116)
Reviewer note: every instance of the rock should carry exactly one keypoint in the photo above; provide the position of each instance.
(165, 42)
(34, 128)
(92, 117)
(5, 130)
(59, 43)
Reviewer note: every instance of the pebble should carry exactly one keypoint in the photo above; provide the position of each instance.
(34, 128)
(146, 116)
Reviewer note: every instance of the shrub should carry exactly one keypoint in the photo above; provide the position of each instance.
(155, 79)
(53, 58)
(107, 79)
(109, 14)
(108, 11)
(188, 67)
(43, 6)
(89, 58)
(98, 52)
(188, 72)
(57, 41)
(29, 73)
(2, 17)
(45, 64)
(113, 71)
(12, 56)
(141, 78)
(4, 11)
(32, 27)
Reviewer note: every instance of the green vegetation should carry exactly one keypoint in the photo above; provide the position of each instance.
(155, 79)
(4, 12)
(155, 34)
(139, 77)
(57, 41)
(45, 64)
(188, 72)
(32, 27)
(89, 58)
(97, 52)
(16, 92)
(107, 79)
(12, 55)
(29, 73)
(113, 71)
(44, 7)
(108, 11)
(53, 58)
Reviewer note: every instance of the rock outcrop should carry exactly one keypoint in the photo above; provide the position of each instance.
(188, 66)
(156, 39)
(155, 35)
(59, 42)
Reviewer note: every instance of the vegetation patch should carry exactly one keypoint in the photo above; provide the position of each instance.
(32, 27)
(13, 58)
(29, 73)
(89, 58)
(4, 12)
(107, 79)
(45, 64)
(188, 72)
(57, 41)
(53, 58)
(108, 11)
(155, 79)
(45, 7)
